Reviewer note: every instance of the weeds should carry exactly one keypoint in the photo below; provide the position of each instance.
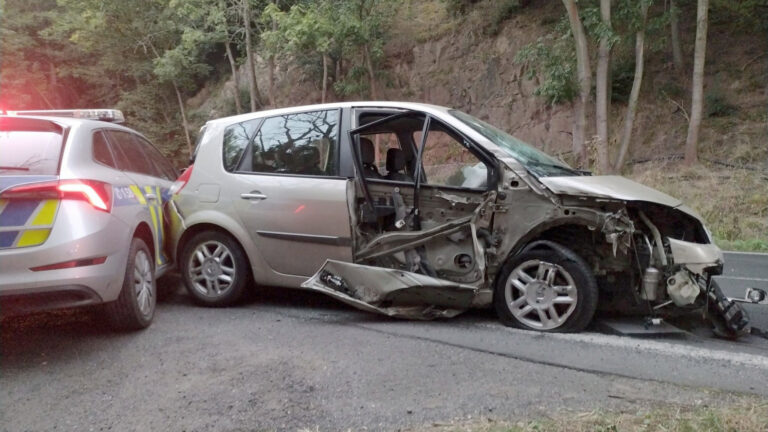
(732, 202)
(747, 415)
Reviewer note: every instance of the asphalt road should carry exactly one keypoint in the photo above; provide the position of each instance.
(292, 360)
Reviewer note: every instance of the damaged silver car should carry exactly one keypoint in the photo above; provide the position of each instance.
(420, 212)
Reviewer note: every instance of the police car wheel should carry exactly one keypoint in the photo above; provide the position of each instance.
(135, 306)
(215, 269)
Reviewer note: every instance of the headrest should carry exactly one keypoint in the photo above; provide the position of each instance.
(367, 152)
(395, 160)
(309, 154)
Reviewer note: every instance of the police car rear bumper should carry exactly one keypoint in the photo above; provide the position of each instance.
(77, 236)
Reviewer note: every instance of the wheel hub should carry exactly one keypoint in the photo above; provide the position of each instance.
(539, 294)
(211, 268)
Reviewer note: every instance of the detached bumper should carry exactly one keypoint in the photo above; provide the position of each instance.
(394, 293)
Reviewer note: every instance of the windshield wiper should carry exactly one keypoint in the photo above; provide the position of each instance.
(13, 168)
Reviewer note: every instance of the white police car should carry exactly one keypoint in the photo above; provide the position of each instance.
(81, 215)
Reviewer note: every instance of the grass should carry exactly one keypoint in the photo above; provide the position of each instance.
(733, 202)
(747, 415)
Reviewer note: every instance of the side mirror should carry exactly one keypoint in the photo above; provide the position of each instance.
(753, 296)
(756, 295)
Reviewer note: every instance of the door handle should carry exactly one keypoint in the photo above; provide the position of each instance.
(150, 196)
(255, 195)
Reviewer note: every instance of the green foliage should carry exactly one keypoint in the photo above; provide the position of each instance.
(350, 33)
(623, 75)
(553, 60)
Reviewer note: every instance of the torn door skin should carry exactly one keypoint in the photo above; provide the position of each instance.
(403, 294)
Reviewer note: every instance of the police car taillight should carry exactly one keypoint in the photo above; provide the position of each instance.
(182, 181)
(107, 115)
(97, 194)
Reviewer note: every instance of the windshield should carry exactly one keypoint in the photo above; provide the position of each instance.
(29, 147)
(536, 161)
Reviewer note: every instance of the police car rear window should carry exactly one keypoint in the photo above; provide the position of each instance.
(29, 146)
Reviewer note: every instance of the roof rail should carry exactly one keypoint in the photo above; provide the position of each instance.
(107, 115)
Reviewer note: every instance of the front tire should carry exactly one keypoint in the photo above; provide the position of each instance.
(135, 306)
(547, 287)
(215, 269)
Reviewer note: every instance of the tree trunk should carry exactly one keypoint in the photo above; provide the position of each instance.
(585, 82)
(371, 73)
(634, 95)
(677, 53)
(697, 88)
(271, 64)
(253, 87)
(182, 110)
(325, 77)
(184, 121)
(233, 66)
(602, 104)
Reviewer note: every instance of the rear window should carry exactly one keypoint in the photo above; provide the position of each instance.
(29, 146)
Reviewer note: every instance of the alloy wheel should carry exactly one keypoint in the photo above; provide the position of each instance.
(143, 283)
(541, 295)
(211, 269)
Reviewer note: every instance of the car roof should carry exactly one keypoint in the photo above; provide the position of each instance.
(303, 108)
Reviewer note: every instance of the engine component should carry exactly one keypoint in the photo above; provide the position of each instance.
(682, 289)
(651, 280)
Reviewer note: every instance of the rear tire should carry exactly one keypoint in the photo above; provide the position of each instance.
(215, 269)
(135, 306)
(547, 287)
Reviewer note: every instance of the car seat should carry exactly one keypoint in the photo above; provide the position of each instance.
(395, 165)
(368, 157)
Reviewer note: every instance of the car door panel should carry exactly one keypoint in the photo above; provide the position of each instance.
(296, 222)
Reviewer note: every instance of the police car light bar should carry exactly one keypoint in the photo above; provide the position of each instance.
(107, 115)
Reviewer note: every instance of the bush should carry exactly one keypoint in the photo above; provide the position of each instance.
(717, 105)
(623, 77)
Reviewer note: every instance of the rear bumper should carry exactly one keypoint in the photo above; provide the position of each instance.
(79, 234)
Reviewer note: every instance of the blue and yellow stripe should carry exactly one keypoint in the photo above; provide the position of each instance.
(25, 223)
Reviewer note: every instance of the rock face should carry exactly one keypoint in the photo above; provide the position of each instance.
(464, 69)
(478, 75)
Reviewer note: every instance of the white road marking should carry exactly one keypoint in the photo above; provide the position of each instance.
(742, 278)
(668, 349)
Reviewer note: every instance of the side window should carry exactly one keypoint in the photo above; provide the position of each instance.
(447, 162)
(303, 143)
(129, 154)
(101, 151)
(163, 167)
(236, 139)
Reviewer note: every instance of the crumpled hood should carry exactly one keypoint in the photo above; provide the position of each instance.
(615, 187)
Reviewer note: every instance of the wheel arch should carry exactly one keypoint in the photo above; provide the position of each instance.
(144, 232)
(205, 227)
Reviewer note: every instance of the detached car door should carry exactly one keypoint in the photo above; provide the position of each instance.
(287, 191)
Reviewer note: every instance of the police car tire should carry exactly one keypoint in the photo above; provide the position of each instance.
(242, 277)
(123, 313)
